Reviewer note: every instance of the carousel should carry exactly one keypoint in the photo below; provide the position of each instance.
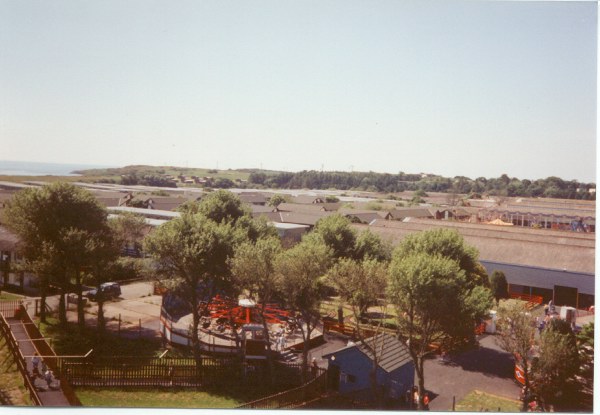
(231, 326)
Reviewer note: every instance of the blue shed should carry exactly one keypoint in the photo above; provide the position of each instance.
(349, 367)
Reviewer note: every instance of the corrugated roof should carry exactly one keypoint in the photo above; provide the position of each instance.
(543, 248)
(301, 207)
(303, 218)
(392, 353)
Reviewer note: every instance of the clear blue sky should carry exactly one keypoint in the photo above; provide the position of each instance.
(467, 88)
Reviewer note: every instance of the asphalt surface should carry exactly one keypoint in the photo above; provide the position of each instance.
(488, 369)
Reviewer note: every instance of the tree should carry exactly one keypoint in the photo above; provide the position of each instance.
(434, 302)
(60, 226)
(585, 343)
(191, 253)
(253, 271)
(370, 245)
(337, 234)
(449, 244)
(300, 272)
(499, 285)
(277, 199)
(558, 360)
(222, 206)
(362, 285)
(128, 230)
(516, 332)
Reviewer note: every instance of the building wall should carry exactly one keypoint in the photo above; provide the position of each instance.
(354, 374)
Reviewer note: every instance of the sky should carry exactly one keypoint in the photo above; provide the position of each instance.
(456, 88)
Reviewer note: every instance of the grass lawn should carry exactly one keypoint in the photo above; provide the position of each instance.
(156, 398)
(72, 342)
(477, 401)
(12, 391)
(4, 296)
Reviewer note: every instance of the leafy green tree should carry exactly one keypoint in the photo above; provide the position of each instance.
(515, 334)
(498, 285)
(558, 360)
(449, 244)
(337, 234)
(370, 245)
(300, 273)
(222, 206)
(191, 254)
(253, 271)
(276, 200)
(585, 343)
(362, 285)
(434, 302)
(60, 227)
(128, 229)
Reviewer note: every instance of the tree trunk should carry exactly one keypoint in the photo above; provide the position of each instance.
(62, 309)
(196, 341)
(526, 377)
(101, 320)
(305, 351)
(80, 309)
(269, 353)
(374, 387)
(421, 380)
(43, 294)
(340, 312)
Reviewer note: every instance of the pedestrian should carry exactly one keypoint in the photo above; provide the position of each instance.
(541, 326)
(35, 360)
(426, 401)
(314, 367)
(415, 397)
(283, 341)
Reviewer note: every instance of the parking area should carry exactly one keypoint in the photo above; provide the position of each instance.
(488, 369)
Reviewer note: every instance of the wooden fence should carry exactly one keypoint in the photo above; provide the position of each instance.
(49, 355)
(149, 372)
(293, 398)
(13, 346)
(531, 300)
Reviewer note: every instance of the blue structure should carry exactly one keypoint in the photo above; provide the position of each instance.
(349, 368)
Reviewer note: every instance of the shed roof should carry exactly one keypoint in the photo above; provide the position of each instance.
(393, 353)
(301, 207)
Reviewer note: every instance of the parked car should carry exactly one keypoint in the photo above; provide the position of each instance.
(107, 290)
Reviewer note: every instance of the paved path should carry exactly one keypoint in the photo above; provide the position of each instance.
(49, 397)
(488, 369)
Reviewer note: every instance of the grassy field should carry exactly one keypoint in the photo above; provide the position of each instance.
(12, 391)
(72, 342)
(156, 398)
(477, 401)
(4, 296)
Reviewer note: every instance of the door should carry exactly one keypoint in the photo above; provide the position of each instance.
(565, 296)
(333, 377)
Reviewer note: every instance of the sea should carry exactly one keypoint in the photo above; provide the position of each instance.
(31, 168)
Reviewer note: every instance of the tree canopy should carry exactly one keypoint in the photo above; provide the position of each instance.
(436, 300)
(63, 230)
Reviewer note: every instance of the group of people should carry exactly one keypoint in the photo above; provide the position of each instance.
(40, 371)
(280, 340)
(414, 398)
